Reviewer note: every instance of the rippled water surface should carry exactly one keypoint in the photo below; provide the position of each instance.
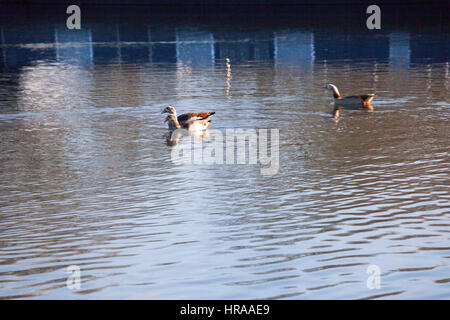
(87, 177)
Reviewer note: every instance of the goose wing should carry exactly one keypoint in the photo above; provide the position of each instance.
(190, 116)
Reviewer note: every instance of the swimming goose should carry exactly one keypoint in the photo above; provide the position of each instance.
(185, 118)
(357, 100)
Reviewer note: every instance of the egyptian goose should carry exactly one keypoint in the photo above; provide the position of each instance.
(185, 119)
(357, 100)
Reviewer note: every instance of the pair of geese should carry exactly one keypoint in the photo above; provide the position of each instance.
(201, 121)
(192, 124)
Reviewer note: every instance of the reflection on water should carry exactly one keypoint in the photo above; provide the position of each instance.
(87, 178)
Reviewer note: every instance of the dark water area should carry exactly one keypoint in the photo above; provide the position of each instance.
(86, 176)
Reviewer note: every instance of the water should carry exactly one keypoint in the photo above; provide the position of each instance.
(87, 178)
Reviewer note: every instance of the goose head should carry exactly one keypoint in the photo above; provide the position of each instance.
(333, 88)
(169, 109)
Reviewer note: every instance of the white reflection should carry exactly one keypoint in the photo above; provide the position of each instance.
(229, 77)
(47, 86)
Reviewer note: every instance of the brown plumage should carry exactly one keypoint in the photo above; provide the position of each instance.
(185, 118)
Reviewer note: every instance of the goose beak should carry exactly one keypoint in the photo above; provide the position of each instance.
(163, 110)
(325, 87)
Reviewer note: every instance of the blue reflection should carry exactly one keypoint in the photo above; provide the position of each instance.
(107, 38)
(195, 47)
(264, 47)
(348, 45)
(74, 46)
(162, 47)
(25, 33)
(235, 46)
(294, 48)
(430, 47)
(139, 43)
(399, 49)
(22, 45)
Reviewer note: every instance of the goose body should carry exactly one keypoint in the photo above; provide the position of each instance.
(362, 100)
(187, 120)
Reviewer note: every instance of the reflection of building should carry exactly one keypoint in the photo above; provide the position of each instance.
(17, 55)
(73, 46)
(348, 45)
(399, 51)
(2, 51)
(108, 40)
(398, 77)
(263, 46)
(434, 47)
(294, 48)
(133, 39)
(162, 45)
(235, 46)
(22, 34)
(139, 43)
(243, 47)
(195, 47)
(120, 43)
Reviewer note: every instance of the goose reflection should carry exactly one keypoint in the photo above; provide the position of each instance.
(339, 107)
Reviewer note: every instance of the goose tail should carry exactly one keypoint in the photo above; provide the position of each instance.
(367, 97)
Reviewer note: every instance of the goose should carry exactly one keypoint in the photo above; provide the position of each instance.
(185, 118)
(357, 100)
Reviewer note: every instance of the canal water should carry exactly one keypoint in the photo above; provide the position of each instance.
(87, 179)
